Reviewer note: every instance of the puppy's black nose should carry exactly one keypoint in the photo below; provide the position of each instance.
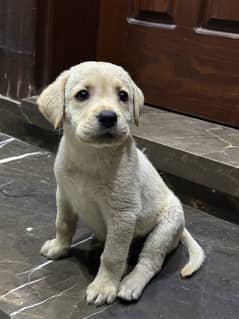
(107, 118)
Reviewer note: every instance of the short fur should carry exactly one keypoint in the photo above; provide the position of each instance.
(110, 183)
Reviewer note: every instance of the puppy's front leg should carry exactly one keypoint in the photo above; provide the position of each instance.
(66, 222)
(120, 231)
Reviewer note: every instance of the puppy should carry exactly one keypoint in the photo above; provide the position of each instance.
(103, 178)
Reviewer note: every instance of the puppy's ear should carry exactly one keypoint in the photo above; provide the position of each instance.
(138, 102)
(52, 99)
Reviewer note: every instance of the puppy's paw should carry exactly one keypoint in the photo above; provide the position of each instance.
(130, 289)
(52, 249)
(101, 291)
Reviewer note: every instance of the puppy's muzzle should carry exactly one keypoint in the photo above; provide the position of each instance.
(107, 118)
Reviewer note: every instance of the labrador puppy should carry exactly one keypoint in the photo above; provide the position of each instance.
(103, 178)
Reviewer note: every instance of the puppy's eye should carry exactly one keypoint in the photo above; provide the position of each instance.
(82, 95)
(123, 96)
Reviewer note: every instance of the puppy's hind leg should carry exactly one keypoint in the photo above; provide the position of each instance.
(163, 239)
(66, 222)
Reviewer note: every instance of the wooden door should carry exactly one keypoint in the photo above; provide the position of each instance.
(40, 38)
(183, 54)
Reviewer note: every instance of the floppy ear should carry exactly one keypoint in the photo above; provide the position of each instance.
(52, 99)
(138, 102)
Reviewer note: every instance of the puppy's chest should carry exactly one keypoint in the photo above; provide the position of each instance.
(82, 188)
(84, 195)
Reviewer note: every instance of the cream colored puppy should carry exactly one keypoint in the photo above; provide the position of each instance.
(103, 178)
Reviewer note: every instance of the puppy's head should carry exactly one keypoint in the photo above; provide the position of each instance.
(96, 99)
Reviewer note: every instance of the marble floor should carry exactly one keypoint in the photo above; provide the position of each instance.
(32, 287)
(202, 152)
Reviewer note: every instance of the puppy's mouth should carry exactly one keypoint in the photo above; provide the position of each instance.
(108, 136)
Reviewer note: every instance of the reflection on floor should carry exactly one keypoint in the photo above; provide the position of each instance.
(32, 287)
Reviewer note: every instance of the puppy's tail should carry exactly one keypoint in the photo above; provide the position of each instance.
(196, 254)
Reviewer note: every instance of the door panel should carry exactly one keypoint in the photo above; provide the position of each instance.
(221, 15)
(155, 5)
(174, 53)
(154, 11)
(223, 10)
